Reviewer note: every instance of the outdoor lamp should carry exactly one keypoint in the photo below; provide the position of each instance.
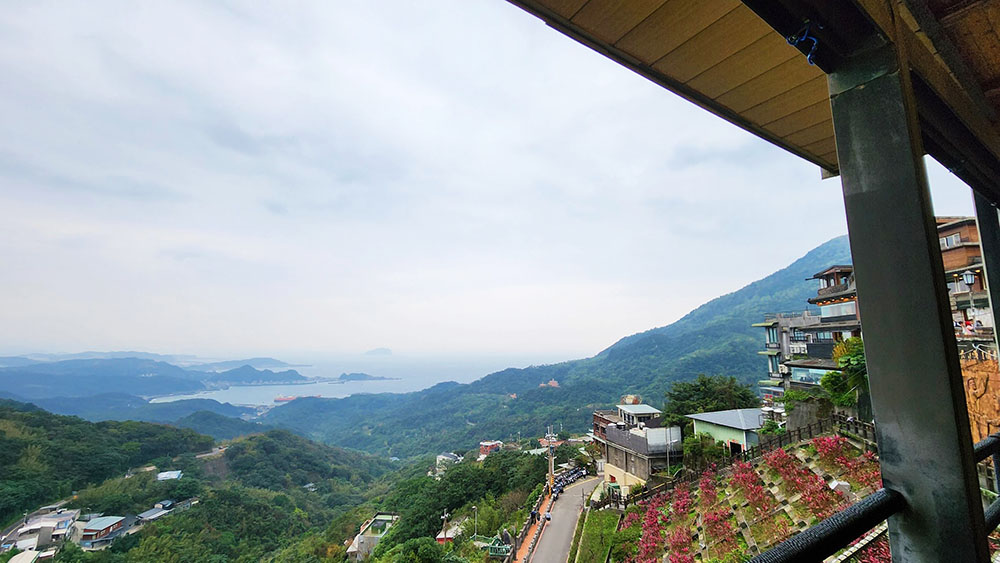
(969, 278)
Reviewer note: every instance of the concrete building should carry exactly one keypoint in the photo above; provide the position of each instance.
(634, 444)
(370, 534)
(736, 428)
(101, 531)
(46, 529)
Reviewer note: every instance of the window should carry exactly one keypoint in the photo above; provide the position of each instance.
(772, 335)
(772, 364)
(950, 241)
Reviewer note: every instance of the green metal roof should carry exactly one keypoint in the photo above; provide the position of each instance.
(769, 382)
(766, 323)
(769, 352)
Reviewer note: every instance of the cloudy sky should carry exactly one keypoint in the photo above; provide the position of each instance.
(442, 178)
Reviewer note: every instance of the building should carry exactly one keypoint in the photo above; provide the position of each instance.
(786, 337)
(963, 263)
(736, 428)
(634, 443)
(46, 529)
(489, 446)
(152, 514)
(101, 531)
(370, 534)
(168, 475)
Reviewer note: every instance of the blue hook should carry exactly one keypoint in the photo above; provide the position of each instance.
(803, 35)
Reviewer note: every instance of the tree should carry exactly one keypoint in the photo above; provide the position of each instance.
(848, 387)
(700, 450)
(706, 394)
(771, 428)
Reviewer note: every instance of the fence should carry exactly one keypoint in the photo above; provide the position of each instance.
(862, 430)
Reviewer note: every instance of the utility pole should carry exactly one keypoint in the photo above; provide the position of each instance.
(552, 460)
(444, 528)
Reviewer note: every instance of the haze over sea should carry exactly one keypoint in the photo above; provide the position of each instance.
(409, 373)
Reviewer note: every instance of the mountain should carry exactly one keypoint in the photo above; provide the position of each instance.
(362, 377)
(171, 358)
(81, 378)
(259, 363)
(121, 406)
(219, 426)
(15, 361)
(245, 375)
(714, 339)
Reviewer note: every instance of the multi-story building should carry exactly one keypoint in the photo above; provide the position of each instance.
(634, 443)
(799, 347)
(963, 263)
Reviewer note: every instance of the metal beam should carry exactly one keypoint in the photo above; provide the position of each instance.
(925, 445)
(988, 224)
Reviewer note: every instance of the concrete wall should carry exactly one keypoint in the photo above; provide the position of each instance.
(725, 434)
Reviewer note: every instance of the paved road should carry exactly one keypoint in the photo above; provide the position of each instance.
(557, 536)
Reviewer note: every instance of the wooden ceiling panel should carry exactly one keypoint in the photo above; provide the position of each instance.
(767, 52)
(824, 146)
(810, 135)
(609, 20)
(725, 37)
(790, 102)
(770, 84)
(801, 119)
(565, 8)
(671, 25)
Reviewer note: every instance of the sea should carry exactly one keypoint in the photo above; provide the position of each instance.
(407, 373)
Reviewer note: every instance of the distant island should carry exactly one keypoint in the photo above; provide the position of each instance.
(364, 377)
(379, 352)
(258, 363)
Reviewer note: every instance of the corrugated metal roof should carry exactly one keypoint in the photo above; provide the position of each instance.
(103, 522)
(741, 419)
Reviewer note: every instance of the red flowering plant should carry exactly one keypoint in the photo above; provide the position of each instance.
(719, 530)
(818, 498)
(679, 544)
(707, 492)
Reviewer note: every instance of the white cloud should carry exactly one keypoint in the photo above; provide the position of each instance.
(442, 178)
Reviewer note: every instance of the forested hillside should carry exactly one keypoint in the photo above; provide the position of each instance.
(43, 457)
(714, 339)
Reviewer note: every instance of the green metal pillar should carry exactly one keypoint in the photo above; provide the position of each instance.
(922, 423)
(989, 241)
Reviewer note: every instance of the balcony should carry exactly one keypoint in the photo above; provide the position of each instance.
(839, 288)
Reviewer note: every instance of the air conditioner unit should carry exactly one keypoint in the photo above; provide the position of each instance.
(784, 370)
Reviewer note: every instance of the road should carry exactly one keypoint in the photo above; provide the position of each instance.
(557, 536)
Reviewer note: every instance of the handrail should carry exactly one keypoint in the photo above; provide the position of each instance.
(836, 532)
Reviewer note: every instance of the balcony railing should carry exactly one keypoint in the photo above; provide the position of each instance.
(830, 290)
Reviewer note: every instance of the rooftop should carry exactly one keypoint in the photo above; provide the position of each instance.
(638, 409)
(101, 523)
(742, 419)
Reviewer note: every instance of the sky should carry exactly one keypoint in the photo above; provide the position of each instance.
(447, 178)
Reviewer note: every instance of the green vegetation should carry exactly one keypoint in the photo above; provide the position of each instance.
(706, 394)
(577, 534)
(43, 457)
(771, 428)
(218, 426)
(597, 536)
(499, 487)
(701, 449)
(716, 336)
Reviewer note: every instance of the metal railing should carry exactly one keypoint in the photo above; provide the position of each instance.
(838, 531)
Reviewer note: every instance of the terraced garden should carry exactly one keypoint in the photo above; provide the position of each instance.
(742, 511)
